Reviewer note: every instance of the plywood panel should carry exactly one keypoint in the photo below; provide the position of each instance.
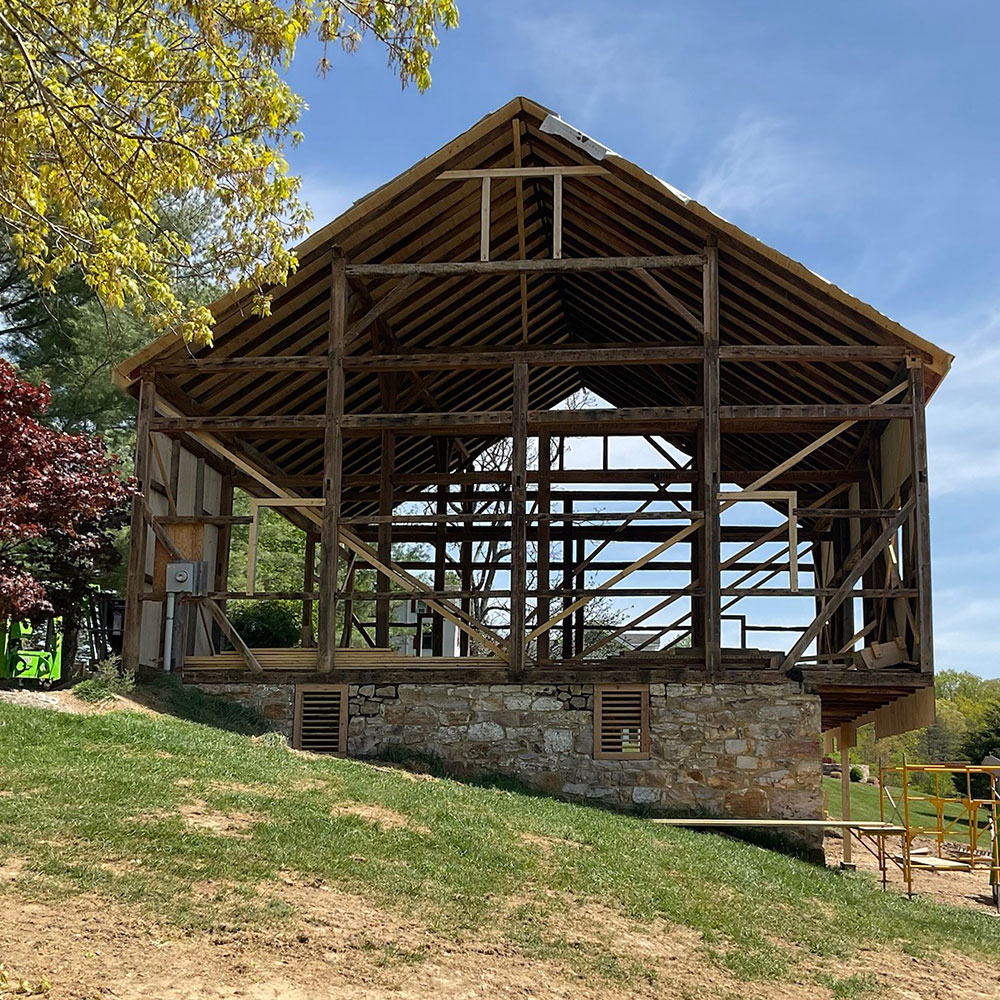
(189, 539)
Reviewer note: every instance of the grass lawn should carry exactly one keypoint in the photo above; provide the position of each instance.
(865, 807)
(141, 809)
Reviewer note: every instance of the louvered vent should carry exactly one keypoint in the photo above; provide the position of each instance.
(321, 718)
(621, 722)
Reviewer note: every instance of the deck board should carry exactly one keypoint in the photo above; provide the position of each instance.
(305, 659)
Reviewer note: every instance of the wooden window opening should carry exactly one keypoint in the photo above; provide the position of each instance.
(621, 722)
(320, 723)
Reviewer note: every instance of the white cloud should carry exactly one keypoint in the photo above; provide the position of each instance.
(760, 167)
(330, 197)
(963, 446)
(595, 69)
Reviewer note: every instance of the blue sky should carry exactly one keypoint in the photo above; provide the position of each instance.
(862, 139)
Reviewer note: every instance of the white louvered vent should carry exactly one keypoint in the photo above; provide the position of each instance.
(321, 718)
(621, 721)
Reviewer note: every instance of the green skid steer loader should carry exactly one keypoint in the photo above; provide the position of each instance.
(26, 660)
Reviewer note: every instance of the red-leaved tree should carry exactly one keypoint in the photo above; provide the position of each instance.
(62, 498)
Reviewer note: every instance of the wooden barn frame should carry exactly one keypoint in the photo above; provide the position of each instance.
(462, 303)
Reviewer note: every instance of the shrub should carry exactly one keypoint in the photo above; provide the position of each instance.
(857, 774)
(267, 623)
(105, 681)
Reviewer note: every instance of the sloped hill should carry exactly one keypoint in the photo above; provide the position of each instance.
(143, 855)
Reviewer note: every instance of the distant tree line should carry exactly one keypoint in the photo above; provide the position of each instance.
(967, 727)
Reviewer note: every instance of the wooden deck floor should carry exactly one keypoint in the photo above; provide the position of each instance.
(298, 659)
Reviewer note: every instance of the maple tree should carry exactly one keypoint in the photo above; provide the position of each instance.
(108, 110)
(62, 499)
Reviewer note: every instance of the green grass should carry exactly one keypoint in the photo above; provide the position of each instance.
(95, 810)
(865, 807)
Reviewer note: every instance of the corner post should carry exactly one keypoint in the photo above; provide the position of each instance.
(333, 454)
(223, 547)
(136, 572)
(710, 454)
(518, 531)
(921, 520)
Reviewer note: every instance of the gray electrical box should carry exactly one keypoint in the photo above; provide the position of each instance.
(187, 578)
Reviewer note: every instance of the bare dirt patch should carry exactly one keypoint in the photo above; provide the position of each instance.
(548, 844)
(957, 888)
(201, 816)
(11, 869)
(229, 824)
(236, 786)
(312, 785)
(946, 977)
(387, 819)
(54, 701)
(340, 946)
(64, 700)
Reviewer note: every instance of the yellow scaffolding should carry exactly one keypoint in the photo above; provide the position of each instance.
(979, 850)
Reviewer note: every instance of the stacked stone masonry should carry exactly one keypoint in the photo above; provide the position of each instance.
(725, 749)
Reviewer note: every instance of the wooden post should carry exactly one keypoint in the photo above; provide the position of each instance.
(440, 551)
(710, 452)
(566, 548)
(465, 571)
(518, 531)
(922, 521)
(347, 626)
(188, 616)
(308, 582)
(383, 606)
(579, 582)
(846, 742)
(333, 452)
(136, 572)
(842, 622)
(223, 546)
(543, 506)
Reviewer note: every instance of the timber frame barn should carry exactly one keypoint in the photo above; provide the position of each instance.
(462, 304)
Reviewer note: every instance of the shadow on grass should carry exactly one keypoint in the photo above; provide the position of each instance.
(423, 763)
(165, 693)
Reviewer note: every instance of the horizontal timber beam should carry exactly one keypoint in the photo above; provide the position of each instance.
(535, 357)
(575, 355)
(812, 352)
(569, 476)
(817, 411)
(591, 532)
(519, 266)
(578, 170)
(816, 592)
(610, 420)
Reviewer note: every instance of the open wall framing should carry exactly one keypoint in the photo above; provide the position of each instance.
(459, 306)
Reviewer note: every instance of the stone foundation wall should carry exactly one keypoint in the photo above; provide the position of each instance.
(728, 749)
